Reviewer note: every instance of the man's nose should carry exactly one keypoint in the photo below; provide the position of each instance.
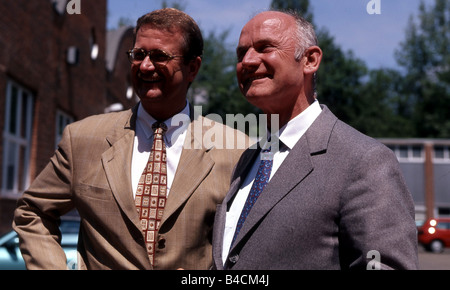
(147, 64)
(251, 58)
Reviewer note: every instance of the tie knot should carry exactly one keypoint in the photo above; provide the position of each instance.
(159, 128)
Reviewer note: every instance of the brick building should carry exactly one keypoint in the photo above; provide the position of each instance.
(55, 68)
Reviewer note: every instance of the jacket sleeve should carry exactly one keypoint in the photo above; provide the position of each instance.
(377, 228)
(37, 216)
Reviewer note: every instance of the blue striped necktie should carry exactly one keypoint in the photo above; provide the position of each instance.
(261, 179)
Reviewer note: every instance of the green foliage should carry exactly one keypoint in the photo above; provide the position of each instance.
(301, 6)
(425, 57)
(339, 79)
(177, 4)
(215, 87)
(386, 102)
(381, 102)
(345, 84)
(383, 111)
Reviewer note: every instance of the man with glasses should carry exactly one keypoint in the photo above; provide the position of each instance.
(144, 181)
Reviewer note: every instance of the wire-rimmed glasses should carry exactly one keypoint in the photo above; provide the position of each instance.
(157, 56)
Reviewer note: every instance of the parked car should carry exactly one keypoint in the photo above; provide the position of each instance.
(434, 234)
(11, 258)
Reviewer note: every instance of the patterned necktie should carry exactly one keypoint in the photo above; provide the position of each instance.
(261, 179)
(152, 188)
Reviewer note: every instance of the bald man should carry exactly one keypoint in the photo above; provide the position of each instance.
(330, 197)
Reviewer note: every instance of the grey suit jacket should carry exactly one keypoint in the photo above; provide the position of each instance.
(338, 201)
(91, 172)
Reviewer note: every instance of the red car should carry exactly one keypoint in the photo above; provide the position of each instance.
(434, 234)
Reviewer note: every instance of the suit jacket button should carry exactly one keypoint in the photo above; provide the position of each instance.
(233, 259)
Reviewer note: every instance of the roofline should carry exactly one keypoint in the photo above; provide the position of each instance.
(414, 141)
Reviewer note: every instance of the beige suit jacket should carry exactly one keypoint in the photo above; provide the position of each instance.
(91, 172)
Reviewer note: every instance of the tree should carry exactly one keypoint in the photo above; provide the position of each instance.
(425, 57)
(387, 113)
(215, 87)
(372, 101)
(339, 81)
(301, 6)
(177, 4)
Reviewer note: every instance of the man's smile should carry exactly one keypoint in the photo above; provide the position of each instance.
(250, 79)
(154, 78)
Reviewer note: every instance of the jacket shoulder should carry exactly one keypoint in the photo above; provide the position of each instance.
(220, 136)
(102, 122)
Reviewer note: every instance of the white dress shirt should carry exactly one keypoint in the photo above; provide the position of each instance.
(173, 138)
(288, 136)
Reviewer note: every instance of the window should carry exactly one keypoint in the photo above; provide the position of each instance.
(93, 45)
(17, 139)
(62, 120)
(410, 153)
(444, 211)
(443, 225)
(403, 151)
(416, 151)
(441, 153)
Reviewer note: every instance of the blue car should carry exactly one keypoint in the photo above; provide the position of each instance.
(11, 258)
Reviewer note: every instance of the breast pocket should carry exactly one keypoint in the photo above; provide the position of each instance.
(94, 200)
(93, 192)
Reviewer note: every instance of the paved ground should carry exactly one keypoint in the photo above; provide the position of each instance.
(431, 261)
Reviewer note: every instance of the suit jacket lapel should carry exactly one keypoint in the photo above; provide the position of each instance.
(295, 168)
(240, 172)
(117, 165)
(279, 186)
(193, 167)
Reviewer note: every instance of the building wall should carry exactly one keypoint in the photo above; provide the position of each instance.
(416, 185)
(35, 39)
(442, 184)
(432, 199)
(119, 84)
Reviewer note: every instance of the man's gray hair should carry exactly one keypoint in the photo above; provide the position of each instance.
(305, 34)
(306, 37)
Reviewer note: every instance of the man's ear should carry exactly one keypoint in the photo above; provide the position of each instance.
(313, 57)
(194, 67)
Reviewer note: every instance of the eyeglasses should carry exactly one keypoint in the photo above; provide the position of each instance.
(157, 56)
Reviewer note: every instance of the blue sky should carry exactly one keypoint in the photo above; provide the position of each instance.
(372, 38)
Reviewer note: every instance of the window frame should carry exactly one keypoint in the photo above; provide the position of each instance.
(17, 138)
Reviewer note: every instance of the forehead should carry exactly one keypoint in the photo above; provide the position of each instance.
(267, 26)
(151, 38)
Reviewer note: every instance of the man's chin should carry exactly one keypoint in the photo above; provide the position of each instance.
(258, 100)
(152, 95)
(251, 95)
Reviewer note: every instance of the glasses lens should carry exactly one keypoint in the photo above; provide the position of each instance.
(159, 56)
(138, 54)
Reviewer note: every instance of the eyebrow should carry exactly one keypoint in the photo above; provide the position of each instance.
(243, 48)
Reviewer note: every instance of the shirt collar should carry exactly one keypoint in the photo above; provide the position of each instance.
(290, 133)
(145, 121)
